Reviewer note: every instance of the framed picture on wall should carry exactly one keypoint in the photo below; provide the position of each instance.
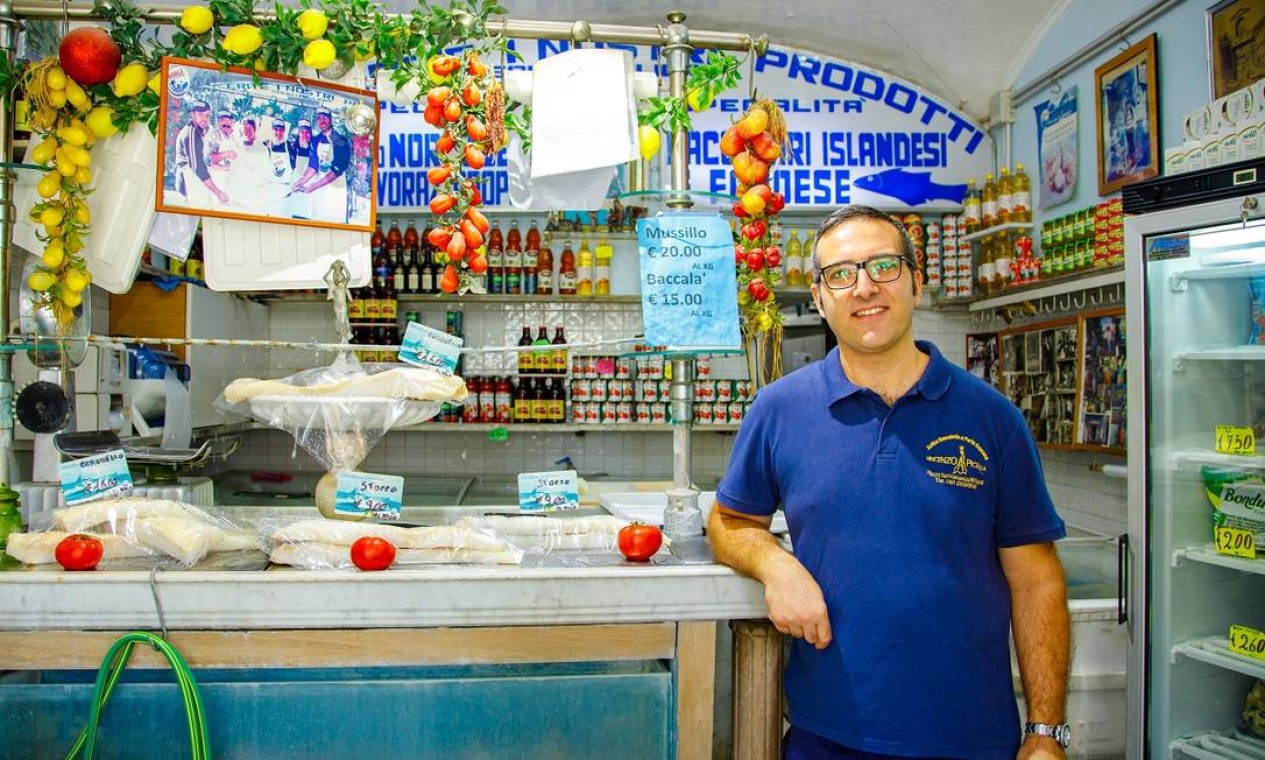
(983, 357)
(1128, 139)
(1039, 371)
(1103, 391)
(265, 147)
(1236, 44)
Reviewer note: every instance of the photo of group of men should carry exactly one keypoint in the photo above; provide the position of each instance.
(270, 159)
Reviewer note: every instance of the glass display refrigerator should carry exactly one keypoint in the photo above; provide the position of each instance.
(1196, 361)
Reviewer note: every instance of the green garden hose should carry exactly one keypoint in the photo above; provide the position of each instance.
(108, 675)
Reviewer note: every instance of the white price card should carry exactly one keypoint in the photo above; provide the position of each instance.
(548, 491)
(427, 347)
(369, 494)
(688, 283)
(95, 477)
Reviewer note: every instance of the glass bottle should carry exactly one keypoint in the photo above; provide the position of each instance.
(558, 357)
(584, 271)
(496, 260)
(602, 268)
(972, 209)
(1021, 196)
(540, 401)
(1005, 187)
(556, 406)
(988, 204)
(413, 271)
(531, 261)
(522, 400)
(526, 361)
(388, 306)
(514, 260)
(566, 272)
(504, 401)
(394, 239)
(544, 272)
(541, 361)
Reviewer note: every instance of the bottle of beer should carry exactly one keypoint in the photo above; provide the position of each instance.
(526, 360)
(558, 356)
(541, 361)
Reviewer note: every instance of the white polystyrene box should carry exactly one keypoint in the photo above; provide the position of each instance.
(122, 204)
(264, 256)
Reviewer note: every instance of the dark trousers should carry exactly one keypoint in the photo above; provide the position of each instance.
(799, 744)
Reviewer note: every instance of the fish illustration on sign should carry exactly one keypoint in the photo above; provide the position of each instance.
(910, 188)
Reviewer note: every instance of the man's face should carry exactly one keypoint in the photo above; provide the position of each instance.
(305, 133)
(226, 125)
(278, 133)
(323, 122)
(202, 119)
(869, 317)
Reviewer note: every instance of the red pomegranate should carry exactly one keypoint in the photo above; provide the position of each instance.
(89, 56)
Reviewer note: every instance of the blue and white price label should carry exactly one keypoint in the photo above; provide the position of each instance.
(688, 283)
(427, 347)
(369, 494)
(95, 477)
(548, 491)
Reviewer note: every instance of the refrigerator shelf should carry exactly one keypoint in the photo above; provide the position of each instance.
(1228, 353)
(1215, 650)
(1227, 745)
(1188, 457)
(1229, 272)
(1208, 555)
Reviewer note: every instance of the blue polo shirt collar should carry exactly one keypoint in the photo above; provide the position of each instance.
(933, 384)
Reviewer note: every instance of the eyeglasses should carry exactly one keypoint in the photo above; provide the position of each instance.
(883, 268)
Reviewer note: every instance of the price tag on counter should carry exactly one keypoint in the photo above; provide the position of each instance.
(95, 477)
(548, 491)
(1247, 641)
(688, 284)
(427, 347)
(1236, 440)
(1235, 542)
(369, 494)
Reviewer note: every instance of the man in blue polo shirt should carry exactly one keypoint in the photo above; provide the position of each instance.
(921, 525)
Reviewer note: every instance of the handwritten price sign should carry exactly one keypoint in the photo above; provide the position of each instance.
(95, 477)
(1236, 440)
(427, 347)
(548, 491)
(1235, 542)
(367, 493)
(1247, 641)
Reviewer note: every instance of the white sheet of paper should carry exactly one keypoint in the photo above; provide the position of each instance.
(583, 112)
(173, 234)
(577, 191)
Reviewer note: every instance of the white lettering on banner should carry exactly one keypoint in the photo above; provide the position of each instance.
(856, 136)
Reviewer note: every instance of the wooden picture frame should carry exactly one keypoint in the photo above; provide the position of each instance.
(1102, 398)
(1236, 58)
(1126, 110)
(983, 357)
(1040, 366)
(265, 147)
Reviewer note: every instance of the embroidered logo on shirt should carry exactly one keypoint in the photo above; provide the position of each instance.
(952, 461)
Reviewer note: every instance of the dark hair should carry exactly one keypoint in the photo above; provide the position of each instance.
(867, 213)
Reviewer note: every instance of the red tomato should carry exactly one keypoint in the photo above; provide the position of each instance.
(372, 553)
(638, 541)
(79, 552)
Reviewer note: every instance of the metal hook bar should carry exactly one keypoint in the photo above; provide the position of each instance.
(1095, 298)
(1079, 305)
(751, 71)
(1058, 86)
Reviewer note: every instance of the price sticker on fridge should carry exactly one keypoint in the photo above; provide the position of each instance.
(369, 494)
(95, 477)
(1236, 440)
(1235, 542)
(1247, 641)
(548, 491)
(427, 347)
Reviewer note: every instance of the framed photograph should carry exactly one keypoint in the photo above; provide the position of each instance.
(265, 147)
(1236, 45)
(1039, 376)
(1103, 391)
(1126, 108)
(983, 357)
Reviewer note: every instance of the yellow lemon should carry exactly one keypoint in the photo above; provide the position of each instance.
(65, 164)
(52, 216)
(364, 50)
(648, 140)
(74, 243)
(131, 80)
(41, 281)
(54, 254)
(77, 280)
(71, 298)
(156, 83)
(49, 185)
(57, 98)
(72, 135)
(312, 23)
(243, 39)
(101, 121)
(76, 96)
(699, 99)
(319, 53)
(82, 214)
(43, 153)
(763, 322)
(196, 19)
(83, 175)
(55, 79)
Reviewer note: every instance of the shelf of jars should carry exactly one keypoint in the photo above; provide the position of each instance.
(1051, 287)
(998, 229)
(567, 427)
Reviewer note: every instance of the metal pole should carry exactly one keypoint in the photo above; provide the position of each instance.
(525, 29)
(677, 51)
(8, 45)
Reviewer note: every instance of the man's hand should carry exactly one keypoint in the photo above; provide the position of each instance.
(223, 196)
(1037, 747)
(796, 605)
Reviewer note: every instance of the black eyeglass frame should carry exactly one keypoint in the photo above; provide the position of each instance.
(857, 266)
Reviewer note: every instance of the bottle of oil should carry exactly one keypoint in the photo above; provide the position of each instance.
(1005, 197)
(971, 207)
(985, 267)
(988, 206)
(1021, 196)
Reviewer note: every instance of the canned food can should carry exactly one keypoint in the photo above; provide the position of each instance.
(704, 413)
(624, 413)
(578, 410)
(592, 413)
(913, 225)
(949, 225)
(581, 389)
(623, 368)
(724, 391)
(933, 233)
(588, 366)
(642, 413)
(736, 411)
(703, 368)
(597, 390)
(659, 413)
(655, 366)
(608, 413)
(614, 390)
(742, 389)
(649, 391)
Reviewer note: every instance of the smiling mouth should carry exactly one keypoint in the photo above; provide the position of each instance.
(873, 310)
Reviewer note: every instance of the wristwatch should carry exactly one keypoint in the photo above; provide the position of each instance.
(1061, 733)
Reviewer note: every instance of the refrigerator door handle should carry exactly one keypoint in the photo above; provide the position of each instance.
(1122, 579)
